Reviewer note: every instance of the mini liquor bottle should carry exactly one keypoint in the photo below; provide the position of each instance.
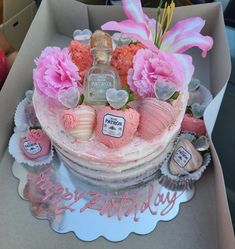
(101, 76)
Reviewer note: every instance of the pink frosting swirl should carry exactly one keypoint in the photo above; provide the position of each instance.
(69, 119)
(35, 135)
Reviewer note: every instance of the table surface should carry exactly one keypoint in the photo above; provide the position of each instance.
(193, 228)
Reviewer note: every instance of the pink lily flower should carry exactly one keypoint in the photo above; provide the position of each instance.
(138, 25)
(182, 36)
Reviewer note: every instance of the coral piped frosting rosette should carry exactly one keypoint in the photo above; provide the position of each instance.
(122, 59)
(81, 57)
(69, 119)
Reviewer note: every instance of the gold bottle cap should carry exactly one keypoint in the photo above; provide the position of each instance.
(101, 40)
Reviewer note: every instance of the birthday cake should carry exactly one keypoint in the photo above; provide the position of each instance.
(113, 106)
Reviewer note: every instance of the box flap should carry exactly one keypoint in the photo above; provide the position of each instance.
(69, 17)
(13, 7)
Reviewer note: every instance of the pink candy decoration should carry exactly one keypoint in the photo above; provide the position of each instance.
(35, 145)
(193, 124)
(125, 125)
(156, 117)
(55, 71)
(35, 135)
(79, 122)
(69, 119)
(150, 67)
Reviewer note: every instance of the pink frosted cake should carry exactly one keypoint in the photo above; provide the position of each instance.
(114, 125)
(95, 162)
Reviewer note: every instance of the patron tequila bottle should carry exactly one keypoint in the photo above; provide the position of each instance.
(101, 76)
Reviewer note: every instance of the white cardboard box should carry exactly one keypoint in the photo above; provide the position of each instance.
(16, 27)
(202, 223)
(13, 7)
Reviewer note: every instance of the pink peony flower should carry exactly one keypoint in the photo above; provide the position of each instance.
(55, 71)
(150, 67)
(69, 119)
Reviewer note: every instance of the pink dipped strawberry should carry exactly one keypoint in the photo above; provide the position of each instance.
(115, 127)
(193, 120)
(193, 124)
(79, 122)
(35, 144)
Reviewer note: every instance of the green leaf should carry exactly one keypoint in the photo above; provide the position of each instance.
(81, 99)
(123, 108)
(132, 96)
(134, 42)
(158, 13)
(175, 96)
(127, 88)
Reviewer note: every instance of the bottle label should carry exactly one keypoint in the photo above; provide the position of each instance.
(113, 126)
(32, 148)
(99, 84)
(182, 157)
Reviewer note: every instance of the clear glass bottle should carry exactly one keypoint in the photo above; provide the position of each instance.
(101, 76)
